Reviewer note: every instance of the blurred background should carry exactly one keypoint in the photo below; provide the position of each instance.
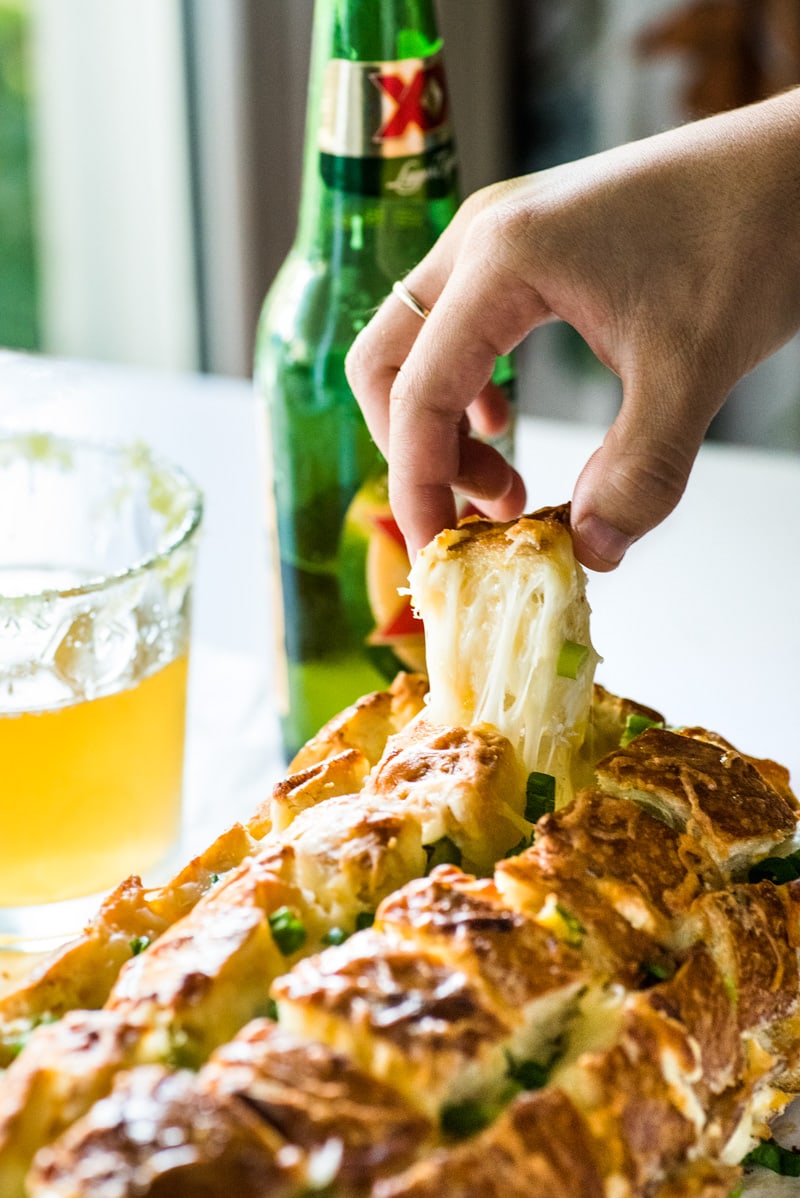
(150, 161)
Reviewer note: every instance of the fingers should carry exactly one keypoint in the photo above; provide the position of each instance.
(476, 318)
(467, 466)
(415, 379)
(489, 480)
(640, 472)
(380, 349)
(490, 414)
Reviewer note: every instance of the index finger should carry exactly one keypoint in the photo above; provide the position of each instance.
(478, 316)
(376, 357)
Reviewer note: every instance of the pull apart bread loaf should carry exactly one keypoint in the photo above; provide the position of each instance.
(504, 935)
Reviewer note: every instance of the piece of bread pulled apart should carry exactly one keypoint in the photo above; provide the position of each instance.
(507, 638)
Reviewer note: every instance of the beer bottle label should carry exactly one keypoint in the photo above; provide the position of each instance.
(373, 571)
(385, 129)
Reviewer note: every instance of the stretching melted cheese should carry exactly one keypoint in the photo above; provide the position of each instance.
(498, 602)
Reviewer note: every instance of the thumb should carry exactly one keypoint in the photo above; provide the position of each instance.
(636, 478)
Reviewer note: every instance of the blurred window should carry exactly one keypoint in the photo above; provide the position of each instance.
(19, 316)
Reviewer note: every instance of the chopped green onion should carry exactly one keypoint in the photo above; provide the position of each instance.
(662, 971)
(575, 929)
(534, 1074)
(570, 659)
(364, 919)
(635, 725)
(531, 1075)
(731, 989)
(462, 1119)
(288, 930)
(13, 1047)
(442, 852)
(540, 796)
(271, 1010)
(139, 944)
(770, 1155)
(519, 847)
(181, 1053)
(335, 936)
(776, 869)
(213, 879)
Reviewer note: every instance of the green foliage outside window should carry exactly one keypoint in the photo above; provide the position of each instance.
(19, 324)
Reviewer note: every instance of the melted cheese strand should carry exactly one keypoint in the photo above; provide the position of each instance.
(498, 603)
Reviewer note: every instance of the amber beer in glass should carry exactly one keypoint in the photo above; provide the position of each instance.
(379, 186)
(96, 565)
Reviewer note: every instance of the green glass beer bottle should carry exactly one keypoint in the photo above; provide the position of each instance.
(379, 185)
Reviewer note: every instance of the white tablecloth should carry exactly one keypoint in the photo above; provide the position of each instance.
(701, 621)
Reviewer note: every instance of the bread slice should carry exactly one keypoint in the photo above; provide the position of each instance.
(466, 784)
(317, 1098)
(540, 1145)
(196, 1144)
(532, 976)
(711, 791)
(427, 1028)
(65, 1068)
(507, 636)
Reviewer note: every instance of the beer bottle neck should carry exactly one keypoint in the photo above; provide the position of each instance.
(378, 127)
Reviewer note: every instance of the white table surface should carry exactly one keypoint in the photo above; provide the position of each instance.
(701, 621)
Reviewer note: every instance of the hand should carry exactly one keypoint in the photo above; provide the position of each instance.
(677, 258)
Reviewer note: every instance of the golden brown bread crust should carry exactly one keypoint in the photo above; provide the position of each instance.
(537, 532)
(196, 878)
(701, 1179)
(367, 724)
(747, 930)
(401, 1013)
(81, 974)
(646, 871)
(637, 1098)
(465, 921)
(158, 1133)
(342, 774)
(699, 998)
(777, 776)
(65, 1068)
(564, 898)
(711, 791)
(353, 851)
(463, 783)
(209, 973)
(539, 1146)
(313, 1095)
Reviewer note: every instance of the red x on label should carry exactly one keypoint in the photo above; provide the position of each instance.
(420, 101)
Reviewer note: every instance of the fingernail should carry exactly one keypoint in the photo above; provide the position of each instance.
(603, 540)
